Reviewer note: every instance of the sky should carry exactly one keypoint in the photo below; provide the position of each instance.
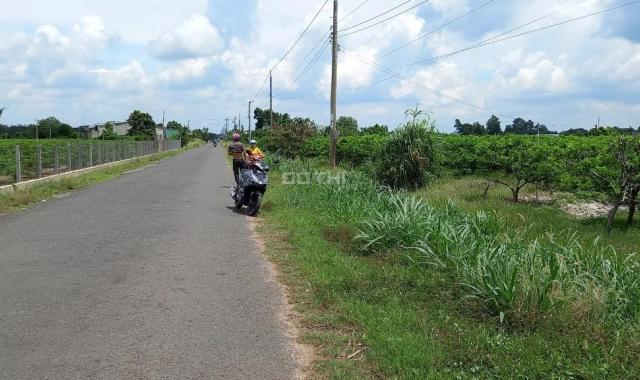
(201, 61)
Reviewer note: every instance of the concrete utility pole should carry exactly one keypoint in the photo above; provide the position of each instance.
(226, 125)
(334, 86)
(249, 118)
(270, 100)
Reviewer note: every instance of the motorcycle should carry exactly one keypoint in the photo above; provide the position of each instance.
(252, 186)
(215, 143)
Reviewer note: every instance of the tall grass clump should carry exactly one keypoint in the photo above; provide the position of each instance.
(510, 277)
(410, 158)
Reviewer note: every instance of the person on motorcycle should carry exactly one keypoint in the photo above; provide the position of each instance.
(236, 149)
(254, 153)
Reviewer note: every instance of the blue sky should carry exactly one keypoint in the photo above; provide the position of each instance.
(198, 60)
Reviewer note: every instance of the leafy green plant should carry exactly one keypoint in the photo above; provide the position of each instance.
(411, 156)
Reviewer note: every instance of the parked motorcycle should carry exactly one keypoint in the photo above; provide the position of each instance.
(252, 186)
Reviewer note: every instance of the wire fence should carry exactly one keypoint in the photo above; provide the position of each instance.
(29, 159)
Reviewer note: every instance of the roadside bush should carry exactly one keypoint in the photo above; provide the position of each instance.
(411, 157)
(358, 149)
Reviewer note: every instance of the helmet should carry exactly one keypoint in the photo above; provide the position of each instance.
(253, 142)
(236, 137)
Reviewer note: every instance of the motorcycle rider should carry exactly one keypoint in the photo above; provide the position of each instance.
(236, 149)
(254, 152)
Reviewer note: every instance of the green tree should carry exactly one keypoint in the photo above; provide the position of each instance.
(182, 132)
(347, 125)
(493, 125)
(376, 129)
(617, 172)
(108, 133)
(263, 118)
(522, 162)
(142, 125)
(466, 129)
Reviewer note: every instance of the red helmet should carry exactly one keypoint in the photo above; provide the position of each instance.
(236, 137)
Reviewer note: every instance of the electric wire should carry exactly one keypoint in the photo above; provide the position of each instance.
(286, 54)
(375, 17)
(353, 11)
(495, 39)
(438, 28)
(384, 20)
(439, 93)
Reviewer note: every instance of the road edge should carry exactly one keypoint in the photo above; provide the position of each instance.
(304, 354)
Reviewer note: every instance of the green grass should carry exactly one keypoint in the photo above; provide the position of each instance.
(533, 220)
(412, 322)
(20, 199)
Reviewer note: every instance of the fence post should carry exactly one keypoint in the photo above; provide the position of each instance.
(80, 166)
(68, 157)
(56, 165)
(99, 146)
(38, 161)
(18, 168)
(90, 155)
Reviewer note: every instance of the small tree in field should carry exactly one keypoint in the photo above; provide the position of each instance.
(523, 162)
(618, 172)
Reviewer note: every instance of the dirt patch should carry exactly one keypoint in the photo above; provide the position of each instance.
(586, 210)
(302, 353)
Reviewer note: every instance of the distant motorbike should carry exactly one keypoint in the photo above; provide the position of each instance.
(215, 143)
(252, 186)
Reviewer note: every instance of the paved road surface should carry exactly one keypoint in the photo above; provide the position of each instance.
(140, 278)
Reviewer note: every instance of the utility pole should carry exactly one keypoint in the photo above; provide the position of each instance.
(598, 126)
(334, 86)
(226, 125)
(240, 122)
(270, 100)
(249, 118)
(163, 119)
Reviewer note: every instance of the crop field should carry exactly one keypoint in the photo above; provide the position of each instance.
(445, 256)
(59, 156)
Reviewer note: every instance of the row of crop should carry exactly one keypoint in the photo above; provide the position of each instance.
(47, 157)
(573, 164)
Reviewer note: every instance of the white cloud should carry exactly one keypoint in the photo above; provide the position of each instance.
(136, 21)
(194, 37)
(353, 74)
(541, 74)
(187, 69)
(129, 78)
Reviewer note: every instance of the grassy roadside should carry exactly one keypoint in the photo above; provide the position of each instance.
(379, 317)
(20, 199)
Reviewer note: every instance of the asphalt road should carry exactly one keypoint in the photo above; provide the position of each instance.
(149, 276)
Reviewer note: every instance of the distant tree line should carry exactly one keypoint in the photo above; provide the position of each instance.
(493, 126)
(45, 128)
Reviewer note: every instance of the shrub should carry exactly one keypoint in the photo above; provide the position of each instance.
(411, 157)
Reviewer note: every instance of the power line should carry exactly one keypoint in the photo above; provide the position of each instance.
(262, 87)
(353, 11)
(423, 86)
(375, 17)
(493, 40)
(314, 49)
(306, 70)
(385, 20)
(301, 35)
(292, 46)
(438, 28)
